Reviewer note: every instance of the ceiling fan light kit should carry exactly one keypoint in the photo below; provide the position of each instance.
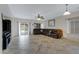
(67, 12)
(40, 17)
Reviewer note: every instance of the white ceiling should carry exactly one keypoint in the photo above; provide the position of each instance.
(49, 11)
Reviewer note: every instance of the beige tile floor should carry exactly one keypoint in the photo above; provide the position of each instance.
(40, 44)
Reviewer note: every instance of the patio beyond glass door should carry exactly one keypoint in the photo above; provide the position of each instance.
(23, 29)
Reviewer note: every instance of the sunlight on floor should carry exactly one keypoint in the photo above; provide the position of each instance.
(23, 41)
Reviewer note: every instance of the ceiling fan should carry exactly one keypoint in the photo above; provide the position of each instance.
(67, 11)
(39, 17)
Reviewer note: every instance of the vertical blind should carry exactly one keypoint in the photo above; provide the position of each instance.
(74, 27)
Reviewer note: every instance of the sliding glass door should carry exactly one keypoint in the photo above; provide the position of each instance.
(23, 29)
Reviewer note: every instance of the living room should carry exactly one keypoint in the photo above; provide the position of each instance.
(44, 22)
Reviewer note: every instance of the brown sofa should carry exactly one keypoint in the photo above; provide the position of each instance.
(55, 33)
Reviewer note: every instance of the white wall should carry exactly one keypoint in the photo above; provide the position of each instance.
(62, 22)
(0, 34)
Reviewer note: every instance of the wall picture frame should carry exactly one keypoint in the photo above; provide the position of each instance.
(51, 23)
